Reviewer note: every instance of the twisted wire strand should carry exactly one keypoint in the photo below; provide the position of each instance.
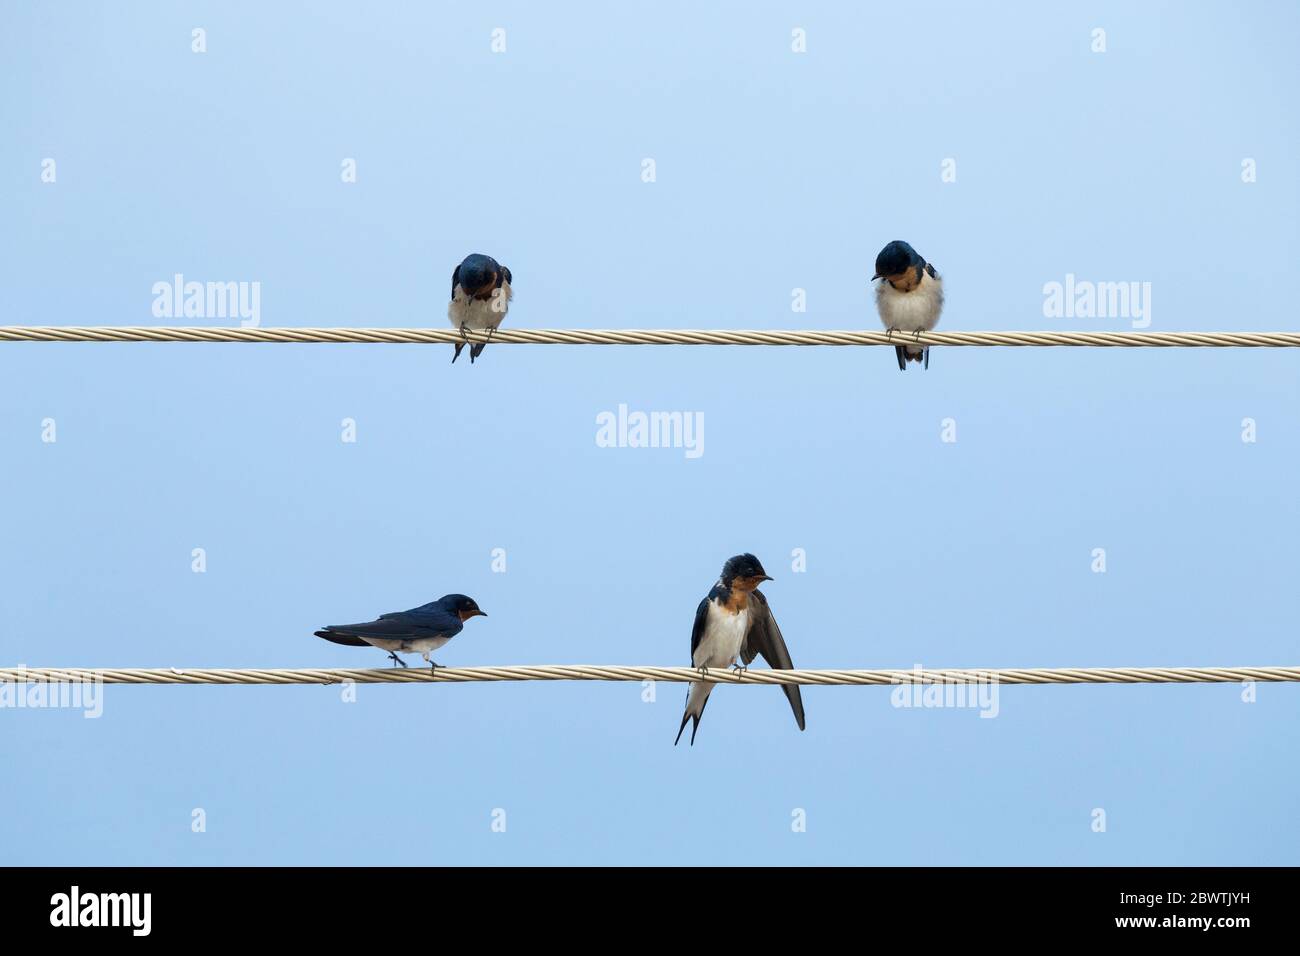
(162, 333)
(593, 672)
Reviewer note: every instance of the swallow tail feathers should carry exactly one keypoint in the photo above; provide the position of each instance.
(338, 638)
(696, 699)
(912, 353)
(475, 351)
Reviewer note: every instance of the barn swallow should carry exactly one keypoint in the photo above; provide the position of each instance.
(420, 630)
(480, 298)
(735, 621)
(909, 299)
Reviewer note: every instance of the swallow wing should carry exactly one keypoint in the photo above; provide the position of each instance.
(697, 632)
(387, 626)
(432, 617)
(455, 281)
(764, 638)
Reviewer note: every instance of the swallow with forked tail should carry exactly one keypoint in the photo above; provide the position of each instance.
(421, 630)
(735, 621)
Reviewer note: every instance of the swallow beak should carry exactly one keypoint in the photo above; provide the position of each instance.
(479, 614)
(766, 577)
(875, 277)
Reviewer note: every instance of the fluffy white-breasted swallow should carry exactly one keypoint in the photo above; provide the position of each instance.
(480, 299)
(909, 297)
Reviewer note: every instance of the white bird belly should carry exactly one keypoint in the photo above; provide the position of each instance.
(477, 313)
(420, 645)
(915, 311)
(724, 633)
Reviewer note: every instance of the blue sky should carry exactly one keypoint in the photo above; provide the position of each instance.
(774, 171)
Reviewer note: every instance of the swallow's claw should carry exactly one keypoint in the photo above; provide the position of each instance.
(704, 671)
(396, 659)
(738, 671)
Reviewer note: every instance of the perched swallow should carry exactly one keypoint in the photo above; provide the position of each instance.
(420, 630)
(735, 621)
(480, 298)
(909, 299)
